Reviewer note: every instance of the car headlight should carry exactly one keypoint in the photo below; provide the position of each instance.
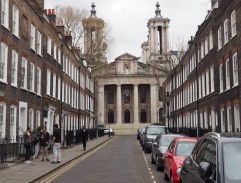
(178, 171)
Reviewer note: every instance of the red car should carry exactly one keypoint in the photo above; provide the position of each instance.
(177, 151)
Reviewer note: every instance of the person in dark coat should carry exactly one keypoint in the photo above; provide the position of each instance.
(84, 134)
(27, 144)
(56, 144)
(44, 141)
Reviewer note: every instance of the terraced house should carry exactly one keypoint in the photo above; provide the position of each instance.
(43, 79)
(203, 91)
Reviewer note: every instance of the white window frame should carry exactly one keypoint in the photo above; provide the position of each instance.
(212, 78)
(13, 123)
(222, 116)
(32, 37)
(59, 87)
(31, 119)
(221, 77)
(225, 31)
(48, 82)
(54, 86)
(5, 13)
(206, 46)
(227, 68)
(2, 119)
(14, 68)
(229, 119)
(55, 51)
(236, 118)
(3, 62)
(219, 38)
(235, 69)
(32, 77)
(38, 118)
(207, 82)
(24, 73)
(233, 23)
(38, 81)
(211, 40)
(39, 43)
(15, 21)
(49, 46)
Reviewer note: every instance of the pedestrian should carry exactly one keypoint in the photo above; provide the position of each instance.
(56, 144)
(44, 141)
(27, 144)
(36, 143)
(84, 134)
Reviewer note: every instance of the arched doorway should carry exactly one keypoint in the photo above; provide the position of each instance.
(143, 116)
(127, 116)
(111, 116)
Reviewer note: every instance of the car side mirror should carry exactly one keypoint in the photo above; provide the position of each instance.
(154, 143)
(205, 170)
(168, 155)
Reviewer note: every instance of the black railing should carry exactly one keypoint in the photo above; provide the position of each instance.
(191, 132)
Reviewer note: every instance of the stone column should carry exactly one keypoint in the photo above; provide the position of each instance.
(101, 104)
(118, 105)
(136, 102)
(153, 98)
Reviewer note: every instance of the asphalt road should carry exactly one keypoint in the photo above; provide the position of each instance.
(120, 160)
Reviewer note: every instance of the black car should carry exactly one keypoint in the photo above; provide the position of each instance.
(216, 158)
(159, 147)
(151, 131)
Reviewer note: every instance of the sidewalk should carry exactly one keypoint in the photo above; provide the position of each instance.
(22, 173)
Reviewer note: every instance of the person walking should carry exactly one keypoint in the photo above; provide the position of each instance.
(56, 144)
(27, 144)
(84, 134)
(44, 141)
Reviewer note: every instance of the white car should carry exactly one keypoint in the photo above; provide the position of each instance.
(107, 130)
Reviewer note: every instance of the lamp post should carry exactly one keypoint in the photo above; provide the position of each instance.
(168, 103)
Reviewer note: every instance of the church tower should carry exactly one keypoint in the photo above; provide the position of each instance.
(94, 45)
(157, 47)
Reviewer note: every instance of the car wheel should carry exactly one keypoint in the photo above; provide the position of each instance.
(165, 176)
(158, 168)
(145, 149)
(152, 159)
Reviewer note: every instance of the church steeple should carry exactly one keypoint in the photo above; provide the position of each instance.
(93, 11)
(158, 11)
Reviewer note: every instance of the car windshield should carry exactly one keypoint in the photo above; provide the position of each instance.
(185, 148)
(166, 140)
(232, 159)
(156, 130)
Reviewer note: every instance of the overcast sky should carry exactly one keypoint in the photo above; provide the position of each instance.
(128, 19)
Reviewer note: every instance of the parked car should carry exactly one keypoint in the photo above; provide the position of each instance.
(151, 131)
(215, 158)
(108, 130)
(174, 156)
(139, 132)
(159, 147)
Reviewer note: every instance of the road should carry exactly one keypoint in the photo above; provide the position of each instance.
(120, 160)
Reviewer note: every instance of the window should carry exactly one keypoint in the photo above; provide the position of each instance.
(227, 75)
(126, 95)
(233, 23)
(235, 69)
(206, 46)
(2, 119)
(59, 87)
(222, 120)
(225, 26)
(203, 85)
(13, 117)
(31, 118)
(236, 118)
(48, 82)
(212, 78)
(221, 77)
(54, 85)
(59, 56)
(219, 38)
(202, 50)
(32, 37)
(211, 40)
(24, 73)
(5, 13)
(39, 43)
(207, 82)
(143, 95)
(49, 46)
(110, 97)
(31, 77)
(229, 119)
(14, 69)
(55, 52)
(3, 62)
(15, 21)
(38, 81)
(38, 118)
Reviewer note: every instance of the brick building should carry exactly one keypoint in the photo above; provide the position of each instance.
(203, 91)
(43, 79)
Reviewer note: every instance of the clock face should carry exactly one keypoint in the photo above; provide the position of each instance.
(126, 65)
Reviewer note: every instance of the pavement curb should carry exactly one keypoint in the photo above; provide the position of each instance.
(63, 164)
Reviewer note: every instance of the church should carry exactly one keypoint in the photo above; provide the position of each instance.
(129, 88)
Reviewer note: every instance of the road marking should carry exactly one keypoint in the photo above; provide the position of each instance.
(72, 164)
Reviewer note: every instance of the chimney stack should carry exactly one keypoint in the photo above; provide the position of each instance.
(51, 15)
(60, 26)
(68, 38)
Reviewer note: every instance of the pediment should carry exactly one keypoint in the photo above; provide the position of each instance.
(125, 57)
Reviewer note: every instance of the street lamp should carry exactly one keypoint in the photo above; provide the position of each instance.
(168, 103)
